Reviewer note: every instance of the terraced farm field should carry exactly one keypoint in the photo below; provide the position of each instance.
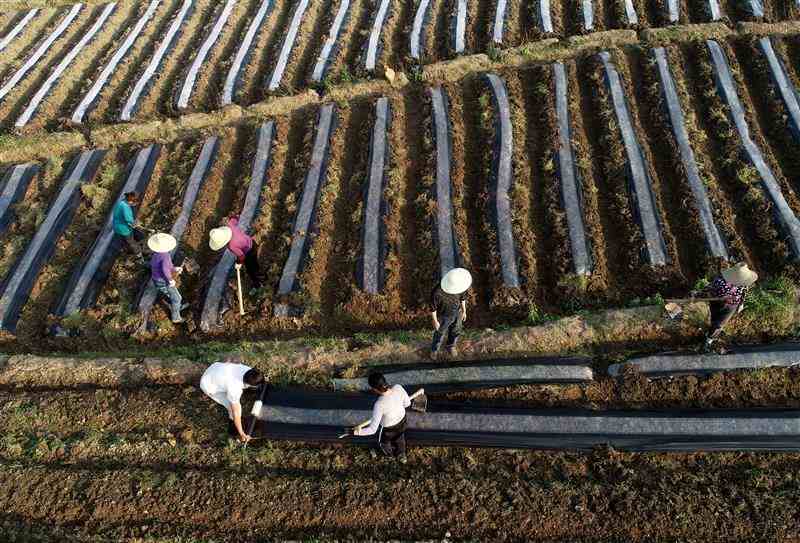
(575, 155)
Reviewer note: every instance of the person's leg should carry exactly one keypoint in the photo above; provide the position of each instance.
(385, 442)
(399, 440)
(721, 314)
(176, 300)
(132, 244)
(440, 334)
(453, 332)
(252, 267)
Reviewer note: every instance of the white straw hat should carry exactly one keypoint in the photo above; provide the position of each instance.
(740, 275)
(161, 243)
(456, 281)
(219, 237)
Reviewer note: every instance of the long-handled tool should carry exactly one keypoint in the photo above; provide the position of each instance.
(239, 289)
(419, 403)
(256, 411)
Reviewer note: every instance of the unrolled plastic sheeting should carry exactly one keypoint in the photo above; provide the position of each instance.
(421, 19)
(15, 183)
(321, 416)
(545, 21)
(754, 7)
(142, 84)
(569, 178)
(714, 241)
(630, 13)
(714, 10)
(587, 10)
(373, 44)
(18, 283)
(371, 272)
(304, 222)
(40, 51)
(329, 46)
(641, 186)
(196, 180)
(673, 11)
(191, 76)
(243, 53)
(459, 26)
(91, 97)
(209, 316)
(784, 85)
(19, 27)
(288, 45)
(448, 246)
(499, 22)
(739, 358)
(91, 273)
(479, 374)
(726, 87)
(502, 182)
(58, 71)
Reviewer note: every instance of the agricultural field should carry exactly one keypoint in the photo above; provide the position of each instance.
(583, 159)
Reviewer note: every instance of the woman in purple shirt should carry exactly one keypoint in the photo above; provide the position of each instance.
(241, 245)
(163, 272)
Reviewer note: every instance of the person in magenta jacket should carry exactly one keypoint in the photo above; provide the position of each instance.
(241, 245)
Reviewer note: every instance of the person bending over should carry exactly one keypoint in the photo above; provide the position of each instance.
(224, 383)
(388, 415)
(731, 284)
(241, 245)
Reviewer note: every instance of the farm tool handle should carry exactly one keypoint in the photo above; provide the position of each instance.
(685, 300)
(256, 411)
(239, 289)
(366, 422)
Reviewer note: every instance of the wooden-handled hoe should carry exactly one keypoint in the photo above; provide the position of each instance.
(673, 305)
(419, 403)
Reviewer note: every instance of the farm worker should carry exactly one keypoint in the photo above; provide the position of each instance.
(124, 223)
(163, 272)
(732, 285)
(449, 304)
(241, 245)
(224, 383)
(388, 414)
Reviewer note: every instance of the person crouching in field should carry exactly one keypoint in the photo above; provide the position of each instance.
(124, 224)
(224, 383)
(241, 245)
(163, 272)
(388, 414)
(449, 304)
(731, 284)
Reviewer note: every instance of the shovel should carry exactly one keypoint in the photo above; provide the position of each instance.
(419, 403)
(673, 305)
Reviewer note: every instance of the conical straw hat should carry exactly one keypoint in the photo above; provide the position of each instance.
(219, 237)
(456, 281)
(161, 243)
(740, 275)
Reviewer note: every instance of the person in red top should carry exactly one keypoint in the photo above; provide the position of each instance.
(240, 244)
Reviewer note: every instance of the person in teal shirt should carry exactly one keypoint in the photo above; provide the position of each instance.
(124, 222)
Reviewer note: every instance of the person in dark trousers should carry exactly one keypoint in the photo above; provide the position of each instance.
(449, 304)
(241, 245)
(224, 382)
(388, 414)
(124, 223)
(732, 285)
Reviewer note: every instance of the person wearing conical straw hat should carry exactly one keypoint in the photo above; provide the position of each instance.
(163, 272)
(449, 305)
(731, 284)
(241, 245)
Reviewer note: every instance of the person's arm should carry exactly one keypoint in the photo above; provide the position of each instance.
(406, 399)
(236, 408)
(435, 319)
(374, 423)
(166, 269)
(464, 309)
(127, 213)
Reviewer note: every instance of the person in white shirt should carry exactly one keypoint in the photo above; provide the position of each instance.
(388, 414)
(224, 383)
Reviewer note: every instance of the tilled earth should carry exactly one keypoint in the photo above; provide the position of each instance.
(103, 464)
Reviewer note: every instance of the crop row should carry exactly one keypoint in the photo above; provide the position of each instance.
(561, 186)
(121, 61)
